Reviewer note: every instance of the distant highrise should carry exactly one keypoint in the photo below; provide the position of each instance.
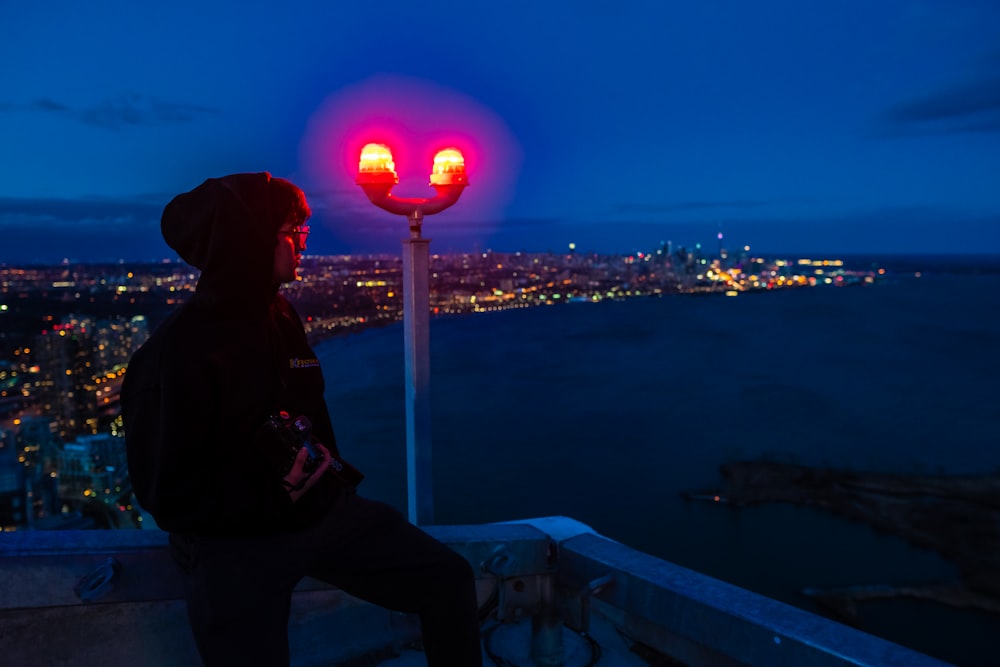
(35, 437)
(63, 356)
(79, 363)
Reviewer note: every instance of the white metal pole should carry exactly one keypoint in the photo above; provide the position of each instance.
(416, 339)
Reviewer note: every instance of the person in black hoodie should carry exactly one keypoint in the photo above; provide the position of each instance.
(246, 520)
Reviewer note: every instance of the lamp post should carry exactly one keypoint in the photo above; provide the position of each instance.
(377, 176)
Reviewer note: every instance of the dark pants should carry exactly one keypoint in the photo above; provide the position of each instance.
(238, 589)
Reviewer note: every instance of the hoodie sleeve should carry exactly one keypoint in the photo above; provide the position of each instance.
(190, 469)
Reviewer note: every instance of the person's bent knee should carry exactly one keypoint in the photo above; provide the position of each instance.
(460, 580)
(459, 569)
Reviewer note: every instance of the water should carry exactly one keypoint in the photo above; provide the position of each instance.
(606, 412)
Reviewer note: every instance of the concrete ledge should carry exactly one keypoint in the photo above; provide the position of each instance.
(141, 620)
(41, 568)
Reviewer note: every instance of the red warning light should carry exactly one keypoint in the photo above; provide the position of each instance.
(449, 167)
(376, 165)
(377, 176)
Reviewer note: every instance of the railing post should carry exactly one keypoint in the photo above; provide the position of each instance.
(547, 628)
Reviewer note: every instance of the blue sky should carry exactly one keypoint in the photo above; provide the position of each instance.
(820, 128)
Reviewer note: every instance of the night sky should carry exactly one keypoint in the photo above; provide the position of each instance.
(794, 127)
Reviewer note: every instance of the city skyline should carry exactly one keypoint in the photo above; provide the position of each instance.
(853, 129)
(70, 332)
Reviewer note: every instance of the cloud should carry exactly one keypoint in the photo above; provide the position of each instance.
(673, 207)
(105, 229)
(115, 113)
(46, 104)
(20, 212)
(39, 230)
(969, 108)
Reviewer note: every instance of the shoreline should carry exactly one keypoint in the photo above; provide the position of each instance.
(316, 335)
(956, 516)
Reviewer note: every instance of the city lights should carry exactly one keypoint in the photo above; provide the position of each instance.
(60, 380)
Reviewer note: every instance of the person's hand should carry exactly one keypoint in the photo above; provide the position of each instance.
(298, 481)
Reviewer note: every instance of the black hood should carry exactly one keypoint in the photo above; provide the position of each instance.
(227, 227)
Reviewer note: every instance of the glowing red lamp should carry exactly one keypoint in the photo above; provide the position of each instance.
(449, 168)
(376, 165)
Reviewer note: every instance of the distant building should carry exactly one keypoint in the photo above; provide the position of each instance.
(91, 462)
(63, 356)
(80, 362)
(114, 341)
(13, 497)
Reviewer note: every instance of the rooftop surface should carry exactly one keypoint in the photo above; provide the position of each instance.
(112, 598)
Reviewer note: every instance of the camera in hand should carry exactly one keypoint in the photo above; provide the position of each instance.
(295, 433)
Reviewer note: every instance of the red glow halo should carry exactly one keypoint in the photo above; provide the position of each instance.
(415, 119)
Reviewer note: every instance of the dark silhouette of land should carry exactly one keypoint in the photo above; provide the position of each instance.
(956, 516)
